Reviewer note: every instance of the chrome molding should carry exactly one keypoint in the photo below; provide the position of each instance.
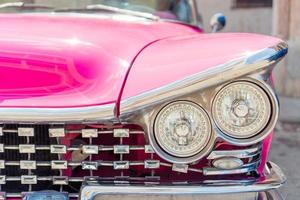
(249, 64)
(22, 195)
(243, 153)
(274, 179)
(124, 11)
(208, 171)
(253, 155)
(268, 195)
(61, 115)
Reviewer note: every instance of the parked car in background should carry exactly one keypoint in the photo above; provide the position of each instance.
(109, 98)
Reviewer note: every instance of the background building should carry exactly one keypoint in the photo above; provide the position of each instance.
(242, 15)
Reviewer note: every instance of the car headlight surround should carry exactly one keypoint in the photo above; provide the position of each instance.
(241, 110)
(182, 130)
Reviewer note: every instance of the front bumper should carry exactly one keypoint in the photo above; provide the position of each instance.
(269, 195)
(260, 189)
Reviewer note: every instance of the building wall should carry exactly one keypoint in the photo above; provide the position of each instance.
(286, 26)
(254, 20)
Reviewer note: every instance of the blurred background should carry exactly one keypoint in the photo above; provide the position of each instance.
(280, 18)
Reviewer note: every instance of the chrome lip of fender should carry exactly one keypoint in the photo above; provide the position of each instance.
(273, 180)
(248, 64)
(61, 115)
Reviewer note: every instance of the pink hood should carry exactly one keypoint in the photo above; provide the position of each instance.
(71, 60)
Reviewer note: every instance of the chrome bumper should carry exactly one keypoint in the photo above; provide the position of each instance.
(261, 187)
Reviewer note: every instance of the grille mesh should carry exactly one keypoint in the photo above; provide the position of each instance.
(67, 155)
(10, 138)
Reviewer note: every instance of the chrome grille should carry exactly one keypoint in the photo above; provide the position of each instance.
(13, 156)
(62, 157)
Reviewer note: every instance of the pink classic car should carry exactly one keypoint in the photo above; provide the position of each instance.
(131, 99)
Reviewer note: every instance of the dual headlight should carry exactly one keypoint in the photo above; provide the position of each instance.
(182, 129)
(240, 110)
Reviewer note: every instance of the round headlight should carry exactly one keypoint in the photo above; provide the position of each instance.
(182, 129)
(241, 110)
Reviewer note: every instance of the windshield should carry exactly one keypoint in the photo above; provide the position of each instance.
(182, 10)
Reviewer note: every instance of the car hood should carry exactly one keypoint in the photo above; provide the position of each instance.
(71, 60)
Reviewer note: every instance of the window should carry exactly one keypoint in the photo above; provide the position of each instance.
(252, 3)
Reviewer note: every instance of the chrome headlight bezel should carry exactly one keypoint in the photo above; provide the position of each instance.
(182, 129)
(200, 150)
(267, 128)
(241, 99)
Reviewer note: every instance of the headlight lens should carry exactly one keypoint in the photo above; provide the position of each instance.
(182, 129)
(241, 109)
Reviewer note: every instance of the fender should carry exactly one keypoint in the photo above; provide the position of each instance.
(172, 67)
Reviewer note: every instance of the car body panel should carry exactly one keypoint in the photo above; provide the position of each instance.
(189, 55)
(67, 60)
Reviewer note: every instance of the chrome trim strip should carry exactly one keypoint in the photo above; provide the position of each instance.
(4, 131)
(21, 195)
(273, 180)
(243, 153)
(268, 195)
(37, 115)
(248, 64)
(209, 171)
(62, 164)
(44, 178)
(62, 149)
(123, 11)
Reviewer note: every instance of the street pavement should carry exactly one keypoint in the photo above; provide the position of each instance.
(285, 151)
